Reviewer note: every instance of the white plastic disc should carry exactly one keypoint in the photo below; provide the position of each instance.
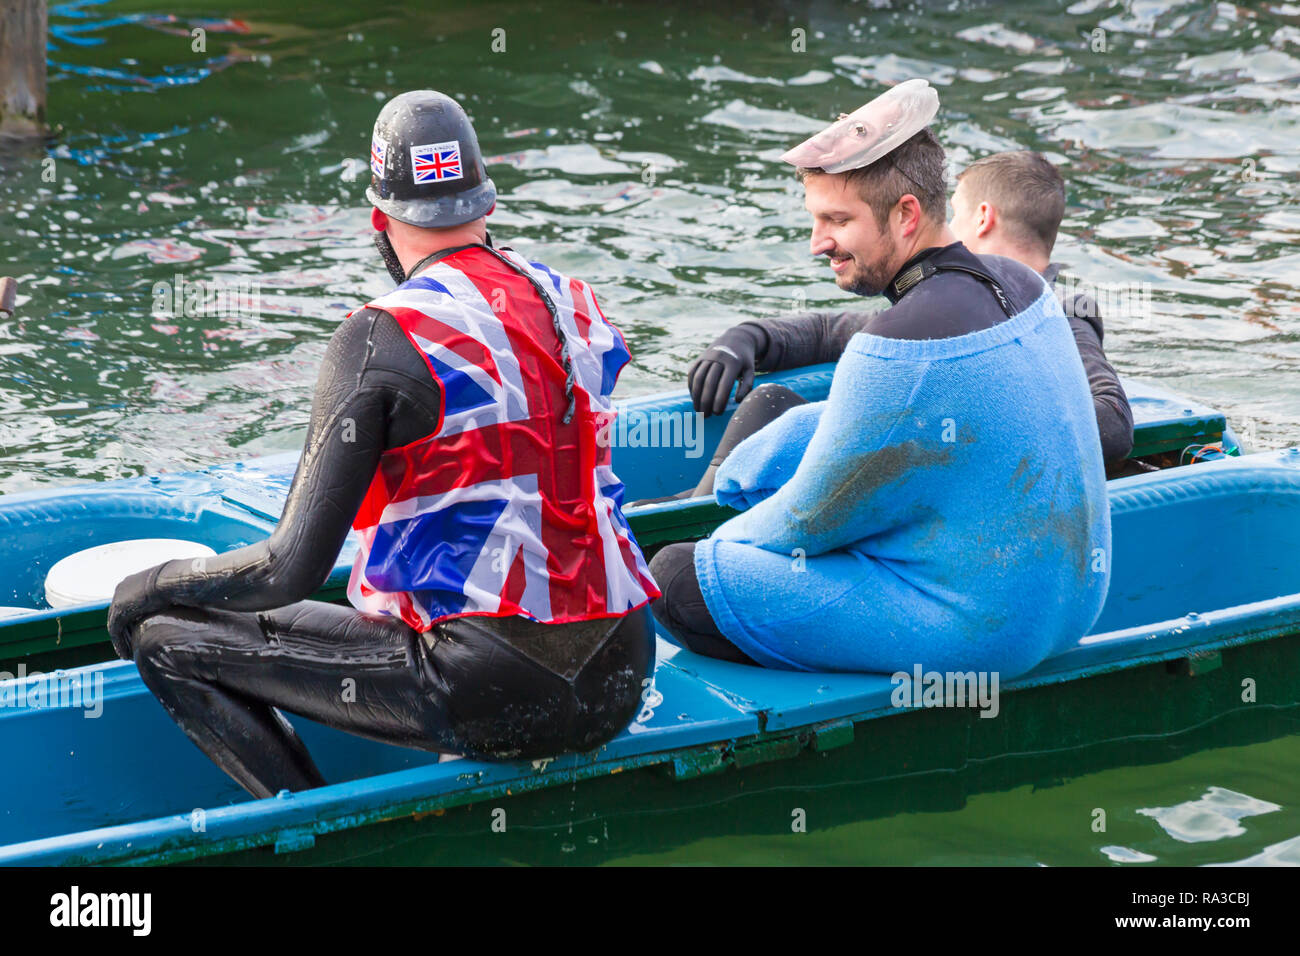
(91, 576)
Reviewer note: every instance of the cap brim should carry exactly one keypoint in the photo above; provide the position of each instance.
(453, 210)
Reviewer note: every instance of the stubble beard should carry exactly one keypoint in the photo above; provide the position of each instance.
(872, 278)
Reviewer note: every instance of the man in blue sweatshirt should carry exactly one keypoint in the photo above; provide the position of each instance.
(1006, 204)
(946, 505)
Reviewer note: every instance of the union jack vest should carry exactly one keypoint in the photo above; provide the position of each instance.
(511, 507)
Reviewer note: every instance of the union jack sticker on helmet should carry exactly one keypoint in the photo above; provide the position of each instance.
(436, 162)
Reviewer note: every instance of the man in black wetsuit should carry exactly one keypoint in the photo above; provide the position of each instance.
(882, 228)
(1011, 204)
(1007, 204)
(504, 599)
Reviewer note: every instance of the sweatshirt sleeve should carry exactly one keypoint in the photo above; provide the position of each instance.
(767, 459)
(838, 493)
(808, 338)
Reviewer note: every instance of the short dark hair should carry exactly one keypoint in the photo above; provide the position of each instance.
(1026, 189)
(915, 166)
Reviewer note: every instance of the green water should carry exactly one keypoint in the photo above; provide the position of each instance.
(917, 790)
(635, 145)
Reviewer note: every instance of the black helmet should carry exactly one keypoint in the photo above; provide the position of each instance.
(425, 164)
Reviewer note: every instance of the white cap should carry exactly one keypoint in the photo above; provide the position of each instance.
(871, 131)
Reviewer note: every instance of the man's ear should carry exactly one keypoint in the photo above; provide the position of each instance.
(909, 214)
(986, 218)
(378, 221)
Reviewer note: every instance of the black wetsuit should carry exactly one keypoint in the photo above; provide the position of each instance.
(225, 641)
(1114, 416)
(939, 293)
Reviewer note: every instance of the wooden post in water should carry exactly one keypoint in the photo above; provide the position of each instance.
(23, 27)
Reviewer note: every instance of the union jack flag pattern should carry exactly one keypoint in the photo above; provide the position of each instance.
(504, 510)
(436, 162)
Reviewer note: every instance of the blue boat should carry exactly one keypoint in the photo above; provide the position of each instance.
(107, 778)
(661, 447)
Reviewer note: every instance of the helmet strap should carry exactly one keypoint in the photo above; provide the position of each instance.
(391, 262)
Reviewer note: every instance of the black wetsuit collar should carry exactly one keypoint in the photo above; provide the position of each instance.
(443, 253)
(1051, 272)
(953, 258)
(909, 274)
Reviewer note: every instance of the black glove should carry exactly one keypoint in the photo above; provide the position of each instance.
(732, 357)
(135, 598)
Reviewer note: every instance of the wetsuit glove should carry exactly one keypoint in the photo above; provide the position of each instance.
(135, 598)
(731, 359)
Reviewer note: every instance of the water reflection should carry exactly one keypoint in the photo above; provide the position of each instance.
(1286, 853)
(1123, 854)
(1215, 816)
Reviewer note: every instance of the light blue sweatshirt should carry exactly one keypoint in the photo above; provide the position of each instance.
(946, 506)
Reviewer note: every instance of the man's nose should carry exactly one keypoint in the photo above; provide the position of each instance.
(820, 243)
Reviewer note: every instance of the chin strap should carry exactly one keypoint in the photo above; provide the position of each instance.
(391, 262)
(394, 265)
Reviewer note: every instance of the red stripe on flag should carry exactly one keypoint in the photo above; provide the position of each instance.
(516, 583)
(580, 310)
(413, 321)
(600, 312)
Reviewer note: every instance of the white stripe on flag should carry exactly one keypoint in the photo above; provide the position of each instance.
(488, 329)
(518, 487)
(622, 591)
